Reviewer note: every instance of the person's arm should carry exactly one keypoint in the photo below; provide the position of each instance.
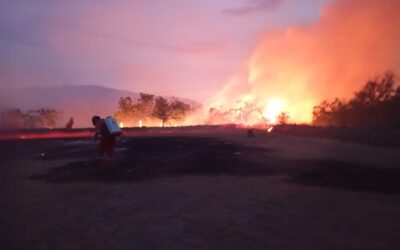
(97, 132)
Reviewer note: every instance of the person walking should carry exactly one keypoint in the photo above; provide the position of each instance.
(107, 140)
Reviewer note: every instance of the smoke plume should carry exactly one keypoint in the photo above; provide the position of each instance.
(351, 42)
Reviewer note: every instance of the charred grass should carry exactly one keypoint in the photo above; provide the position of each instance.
(147, 158)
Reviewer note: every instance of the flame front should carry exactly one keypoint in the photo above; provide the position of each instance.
(272, 110)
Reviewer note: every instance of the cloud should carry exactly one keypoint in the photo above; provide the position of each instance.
(254, 6)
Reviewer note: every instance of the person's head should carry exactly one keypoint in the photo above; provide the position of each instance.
(95, 118)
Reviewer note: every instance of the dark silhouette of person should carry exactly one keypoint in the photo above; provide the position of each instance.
(70, 123)
(107, 141)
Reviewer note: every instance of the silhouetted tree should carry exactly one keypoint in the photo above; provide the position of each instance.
(378, 102)
(244, 111)
(47, 118)
(283, 118)
(126, 110)
(13, 118)
(178, 109)
(149, 107)
(161, 109)
(145, 106)
(40, 118)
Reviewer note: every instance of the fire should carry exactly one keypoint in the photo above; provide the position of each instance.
(298, 62)
(272, 110)
(121, 125)
(306, 64)
(248, 111)
(269, 130)
(140, 123)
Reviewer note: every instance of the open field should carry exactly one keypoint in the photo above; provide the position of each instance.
(199, 188)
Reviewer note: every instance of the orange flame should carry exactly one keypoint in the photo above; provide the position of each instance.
(329, 58)
(272, 110)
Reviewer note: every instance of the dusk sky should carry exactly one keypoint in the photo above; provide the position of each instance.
(170, 47)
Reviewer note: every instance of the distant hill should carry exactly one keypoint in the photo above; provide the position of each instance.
(78, 101)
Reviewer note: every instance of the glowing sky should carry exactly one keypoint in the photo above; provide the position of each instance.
(170, 47)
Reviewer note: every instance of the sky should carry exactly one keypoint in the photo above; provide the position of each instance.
(184, 48)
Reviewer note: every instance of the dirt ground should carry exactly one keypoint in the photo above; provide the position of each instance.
(199, 189)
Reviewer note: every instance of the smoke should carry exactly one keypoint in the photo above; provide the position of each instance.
(351, 42)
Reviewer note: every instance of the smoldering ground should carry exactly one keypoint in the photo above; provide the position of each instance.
(206, 190)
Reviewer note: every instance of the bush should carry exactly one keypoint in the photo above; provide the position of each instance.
(377, 103)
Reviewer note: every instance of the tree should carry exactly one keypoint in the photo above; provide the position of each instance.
(47, 118)
(145, 106)
(283, 118)
(39, 118)
(178, 109)
(161, 109)
(244, 112)
(149, 107)
(146, 103)
(379, 89)
(378, 102)
(13, 118)
(126, 110)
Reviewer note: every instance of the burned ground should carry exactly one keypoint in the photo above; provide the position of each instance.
(203, 191)
(142, 159)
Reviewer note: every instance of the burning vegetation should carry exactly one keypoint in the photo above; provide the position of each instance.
(376, 103)
(152, 111)
(249, 112)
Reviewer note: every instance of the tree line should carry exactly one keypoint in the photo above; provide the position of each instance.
(377, 103)
(151, 110)
(35, 118)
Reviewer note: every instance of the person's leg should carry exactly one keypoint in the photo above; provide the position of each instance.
(102, 162)
(110, 146)
(102, 149)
